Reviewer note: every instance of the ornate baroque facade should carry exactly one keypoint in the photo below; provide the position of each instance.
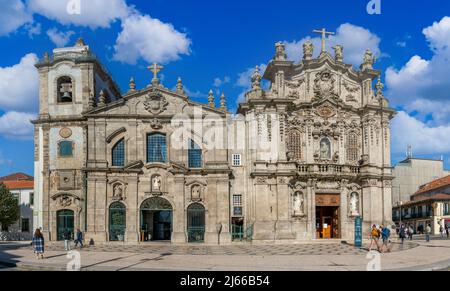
(110, 164)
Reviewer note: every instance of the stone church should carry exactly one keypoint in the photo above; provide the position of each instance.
(306, 153)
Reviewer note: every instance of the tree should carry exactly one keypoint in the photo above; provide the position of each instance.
(9, 208)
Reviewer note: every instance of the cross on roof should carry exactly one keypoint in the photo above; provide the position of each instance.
(155, 69)
(324, 33)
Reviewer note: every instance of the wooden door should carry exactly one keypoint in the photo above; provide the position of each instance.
(326, 227)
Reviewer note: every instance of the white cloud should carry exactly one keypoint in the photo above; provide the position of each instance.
(89, 13)
(13, 15)
(147, 38)
(19, 85)
(401, 43)
(355, 40)
(17, 125)
(60, 38)
(407, 130)
(423, 85)
(219, 82)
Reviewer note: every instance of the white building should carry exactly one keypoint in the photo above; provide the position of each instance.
(412, 173)
(22, 187)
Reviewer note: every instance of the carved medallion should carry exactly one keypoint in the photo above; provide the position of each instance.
(65, 132)
(155, 103)
(325, 111)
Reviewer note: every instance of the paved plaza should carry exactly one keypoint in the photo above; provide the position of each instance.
(330, 256)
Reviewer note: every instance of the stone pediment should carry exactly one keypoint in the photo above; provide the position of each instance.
(157, 102)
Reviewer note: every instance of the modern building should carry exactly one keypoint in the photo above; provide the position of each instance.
(412, 173)
(300, 161)
(22, 187)
(428, 205)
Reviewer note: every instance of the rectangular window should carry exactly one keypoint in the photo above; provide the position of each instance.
(237, 200)
(66, 149)
(237, 211)
(236, 160)
(446, 209)
(156, 148)
(25, 225)
(31, 198)
(194, 155)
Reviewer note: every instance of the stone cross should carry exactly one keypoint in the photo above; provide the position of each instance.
(324, 33)
(155, 69)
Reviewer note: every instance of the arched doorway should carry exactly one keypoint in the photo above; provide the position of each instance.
(117, 221)
(156, 219)
(64, 222)
(196, 222)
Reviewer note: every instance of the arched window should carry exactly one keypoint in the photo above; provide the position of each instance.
(295, 144)
(352, 147)
(65, 148)
(156, 148)
(118, 154)
(194, 155)
(65, 90)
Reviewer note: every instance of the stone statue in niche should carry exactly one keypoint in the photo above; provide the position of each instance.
(298, 204)
(325, 149)
(118, 192)
(196, 193)
(157, 184)
(354, 204)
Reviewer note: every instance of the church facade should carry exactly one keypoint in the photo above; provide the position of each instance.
(302, 158)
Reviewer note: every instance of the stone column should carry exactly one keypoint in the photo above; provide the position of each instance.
(179, 210)
(223, 209)
(133, 212)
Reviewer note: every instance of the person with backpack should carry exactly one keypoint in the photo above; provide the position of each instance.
(385, 235)
(374, 237)
(79, 238)
(38, 244)
(402, 233)
(427, 233)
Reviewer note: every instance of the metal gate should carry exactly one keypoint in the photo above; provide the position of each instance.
(64, 222)
(196, 223)
(117, 222)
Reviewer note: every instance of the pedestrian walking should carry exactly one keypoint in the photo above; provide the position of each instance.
(446, 229)
(410, 232)
(402, 233)
(79, 238)
(67, 235)
(441, 231)
(38, 244)
(428, 232)
(385, 236)
(374, 237)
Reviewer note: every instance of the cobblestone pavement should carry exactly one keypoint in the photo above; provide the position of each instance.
(255, 250)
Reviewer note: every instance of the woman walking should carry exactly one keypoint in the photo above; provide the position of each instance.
(38, 244)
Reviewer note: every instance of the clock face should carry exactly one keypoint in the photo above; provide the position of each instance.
(65, 132)
(325, 111)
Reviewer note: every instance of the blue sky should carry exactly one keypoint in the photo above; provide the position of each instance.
(214, 45)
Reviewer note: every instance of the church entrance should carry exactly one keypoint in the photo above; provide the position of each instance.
(156, 220)
(327, 216)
